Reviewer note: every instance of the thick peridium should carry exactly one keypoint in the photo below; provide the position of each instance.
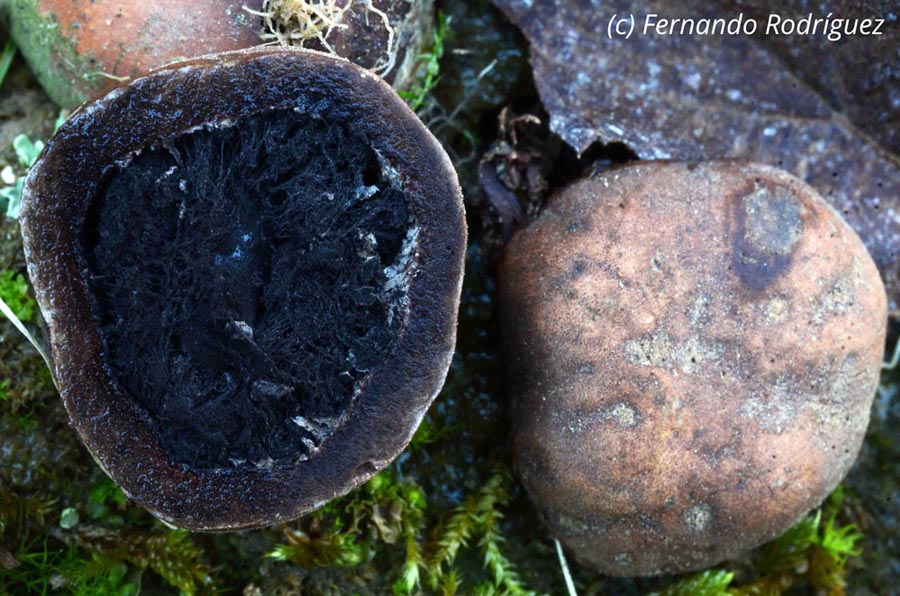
(249, 277)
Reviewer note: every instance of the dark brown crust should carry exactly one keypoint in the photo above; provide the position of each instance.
(692, 351)
(162, 106)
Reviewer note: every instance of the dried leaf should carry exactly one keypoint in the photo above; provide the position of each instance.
(859, 76)
(726, 96)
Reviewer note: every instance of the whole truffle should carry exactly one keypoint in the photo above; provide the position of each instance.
(692, 352)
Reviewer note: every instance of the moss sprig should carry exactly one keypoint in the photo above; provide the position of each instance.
(711, 582)
(348, 532)
(171, 554)
(814, 552)
(478, 515)
(20, 514)
(430, 72)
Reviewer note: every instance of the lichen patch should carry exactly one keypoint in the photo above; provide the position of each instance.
(659, 351)
(624, 415)
(698, 517)
(776, 310)
(838, 298)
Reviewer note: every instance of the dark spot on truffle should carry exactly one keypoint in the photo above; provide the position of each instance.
(578, 268)
(585, 368)
(767, 224)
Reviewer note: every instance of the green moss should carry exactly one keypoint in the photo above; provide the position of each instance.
(14, 291)
(384, 515)
(6, 58)
(171, 554)
(96, 576)
(711, 582)
(106, 503)
(477, 516)
(428, 79)
(813, 554)
(20, 513)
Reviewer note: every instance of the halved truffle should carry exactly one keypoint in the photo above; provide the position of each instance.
(249, 266)
(692, 352)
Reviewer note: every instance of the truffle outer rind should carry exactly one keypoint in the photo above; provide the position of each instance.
(692, 351)
(162, 106)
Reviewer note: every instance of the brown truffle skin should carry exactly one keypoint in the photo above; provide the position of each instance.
(155, 109)
(692, 351)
